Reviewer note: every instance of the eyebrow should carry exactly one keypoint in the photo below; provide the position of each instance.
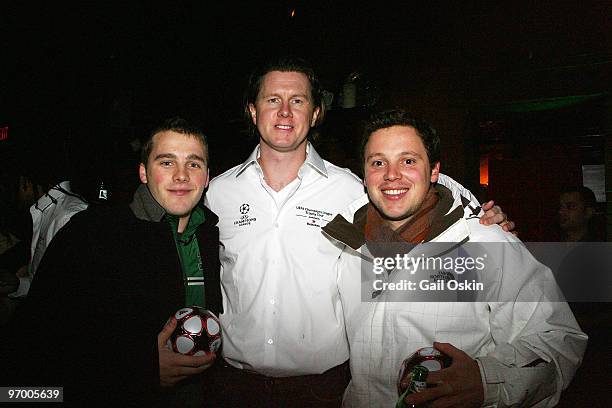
(192, 156)
(301, 95)
(410, 153)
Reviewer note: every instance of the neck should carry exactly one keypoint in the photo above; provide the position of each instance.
(281, 168)
(395, 225)
(575, 234)
(182, 223)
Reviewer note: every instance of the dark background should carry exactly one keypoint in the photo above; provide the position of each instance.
(520, 91)
(524, 85)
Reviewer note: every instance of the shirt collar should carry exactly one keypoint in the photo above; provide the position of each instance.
(252, 159)
(312, 159)
(196, 218)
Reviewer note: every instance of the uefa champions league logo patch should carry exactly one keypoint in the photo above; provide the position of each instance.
(244, 219)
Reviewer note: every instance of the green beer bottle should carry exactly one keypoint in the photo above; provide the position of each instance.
(418, 383)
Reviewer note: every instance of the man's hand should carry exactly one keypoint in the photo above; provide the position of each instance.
(494, 215)
(174, 367)
(459, 385)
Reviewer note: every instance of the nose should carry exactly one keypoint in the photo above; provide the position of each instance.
(392, 173)
(181, 174)
(284, 110)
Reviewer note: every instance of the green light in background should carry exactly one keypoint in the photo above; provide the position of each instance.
(534, 105)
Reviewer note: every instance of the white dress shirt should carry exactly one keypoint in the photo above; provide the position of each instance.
(282, 311)
(49, 214)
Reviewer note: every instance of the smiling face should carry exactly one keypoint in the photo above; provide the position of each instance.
(176, 173)
(397, 173)
(284, 110)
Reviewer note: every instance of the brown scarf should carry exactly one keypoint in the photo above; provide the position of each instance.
(415, 230)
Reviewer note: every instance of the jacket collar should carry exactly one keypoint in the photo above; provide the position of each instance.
(446, 214)
(312, 159)
(450, 212)
(146, 208)
(52, 196)
(351, 234)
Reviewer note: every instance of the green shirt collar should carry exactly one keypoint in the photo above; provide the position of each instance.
(195, 220)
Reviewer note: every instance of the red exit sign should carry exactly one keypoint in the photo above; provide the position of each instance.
(4, 133)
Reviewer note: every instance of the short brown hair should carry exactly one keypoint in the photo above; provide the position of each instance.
(284, 64)
(178, 125)
(401, 117)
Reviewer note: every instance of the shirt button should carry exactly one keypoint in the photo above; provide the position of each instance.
(270, 341)
(272, 301)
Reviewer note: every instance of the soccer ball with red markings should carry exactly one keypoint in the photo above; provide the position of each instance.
(197, 332)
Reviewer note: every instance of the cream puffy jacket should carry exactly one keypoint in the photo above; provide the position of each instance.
(527, 343)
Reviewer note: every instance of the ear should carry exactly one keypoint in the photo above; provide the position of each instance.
(315, 115)
(253, 112)
(142, 172)
(207, 178)
(435, 172)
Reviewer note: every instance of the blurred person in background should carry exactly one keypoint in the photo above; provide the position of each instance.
(577, 212)
(55, 203)
(584, 277)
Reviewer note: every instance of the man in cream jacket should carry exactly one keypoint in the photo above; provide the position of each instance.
(513, 341)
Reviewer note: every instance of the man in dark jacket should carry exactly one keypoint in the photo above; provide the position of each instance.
(96, 320)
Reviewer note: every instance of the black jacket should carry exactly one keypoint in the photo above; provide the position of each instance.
(107, 284)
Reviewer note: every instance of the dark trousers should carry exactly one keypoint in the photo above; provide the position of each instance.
(227, 386)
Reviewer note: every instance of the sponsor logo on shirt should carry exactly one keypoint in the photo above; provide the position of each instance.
(442, 276)
(314, 217)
